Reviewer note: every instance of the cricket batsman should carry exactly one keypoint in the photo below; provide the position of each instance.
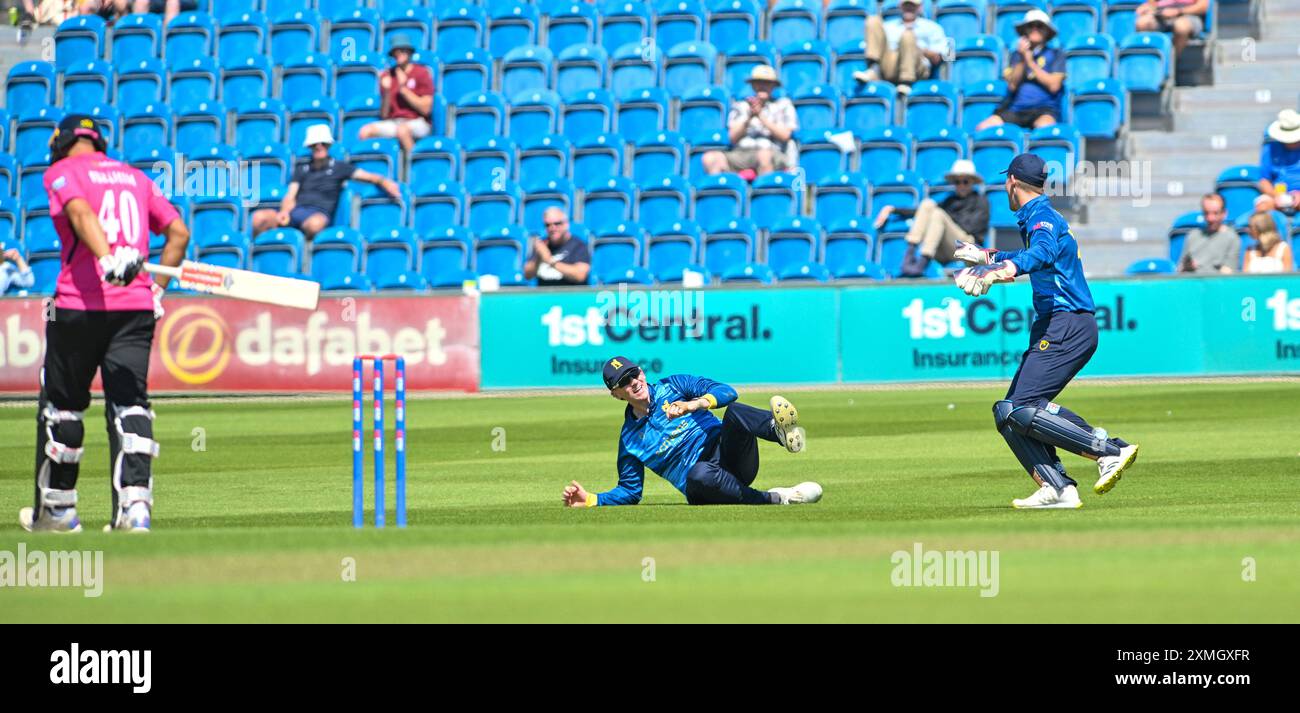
(105, 309)
(1061, 341)
(668, 428)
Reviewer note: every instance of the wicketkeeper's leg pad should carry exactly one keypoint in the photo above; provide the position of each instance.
(1044, 425)
(1035, 457)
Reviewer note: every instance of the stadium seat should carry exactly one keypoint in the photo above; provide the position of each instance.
(884, 152)
(630, 276)
(140, 84)
(740, 61)
(979, 101)
(1150, 266)
(378, 156)
(791, 21)
(500, 252)
(30, 87)
(322, 110)
(869, 107)
(271, 167)
(845, 20)
(246, 81)
(32, 135)
(774, 196)
(750, 272)
(1145, 62)
(678, 21)
(1007, 13)
(993, 148)
(936, 150)
(260, 124)
(192, 82)
(555, 193)
(608, 202)
(734, 22)
(719, 199)
(345, 282)
(137, 37)
(804, 65)
(336, 252)
(479, 115)
(242, 35)
(414, 21)
(662, 201)
(8, 176)
(544, 158)
(9, 215)
(44, 251)
(437, 205)
(804, 272)
(904, 191)
(390, 253)
(587, 113)
(1001, 217)
(31, 174)
(199, 125)
(656, 155)
(702, 111)
(78, 39)
(932, 104)
(1089, 58)
(1075, 18)
(462, 26)
(642, 113)
(700, 145)
(353, 32)
(376, 210)
(221, 249)
(728, 244)
(623, 22)
(305, 77)
(526, 68)
(818, 107)
(849, 58)
(791, 242)
(215, 214)
(1099, 109)
(1121, 18)
(960, 18)
(841, 195)
(464, 73)
(634, 67)
(446, 255)
(580, 68)
(158, 162)
(294, 32)
(356, 81)
(977, 59)
(819, 155)
(597, 156)
(570, 24)
(1061, 147)
(86, 85)
(487, 160)
(615, 249)
(1182, 225)
(672, 249)
(848, 244)
(532, 115)
(1239, 186)
(189, 35)
(494, 205)
(688, 66)
(511, 24)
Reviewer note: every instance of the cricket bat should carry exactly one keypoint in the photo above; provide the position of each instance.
(242, 284)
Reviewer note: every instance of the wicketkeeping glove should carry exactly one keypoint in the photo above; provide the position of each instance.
(122, 265)
(972, 254)
(975, 281)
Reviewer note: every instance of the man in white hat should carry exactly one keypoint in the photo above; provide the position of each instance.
(1035, 77)
(938, 229)
(760, 128)
(1279, 164)
(1184, 19)
(903, 49)
(313, 193)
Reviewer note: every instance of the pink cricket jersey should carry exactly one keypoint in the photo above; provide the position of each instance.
(129, 206)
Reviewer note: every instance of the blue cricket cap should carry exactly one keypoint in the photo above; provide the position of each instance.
(1028, 168)
(615, 369)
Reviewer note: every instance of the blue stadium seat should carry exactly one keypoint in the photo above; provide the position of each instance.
(1239, 186)
(642, 113)
(32, 135)
(1099, 109)
(844, 195)
(960, 18)
(323, 110)
(378, 211)
(464, 73)
(354, 32)
(656, 155)
(569, 24)
(260, 124)
(849, 58)
(689, 66)
(616, 249)
(8, 176)
(390, 254)
(542, 159)
(192, 82)
(733, 22)
(414, 21)
(461, 28)
(1121, 18)
(44, 251)
(479, 115)
(221, 249)
(215, 214)
(804, 65)
(78, 39)
(235, 8)
(587, 113)
(792, 21)
(623, 22)
(1007, 13)
(774, 196)
(526, 68)
(189, 35)
(494, 205)
(702, 111)
(750, 272)
(1150, 266)
(345, 282)
(884, 152)
(242, 36)
(555, 193)
(246, 81)
(199, 125)
(356, 81)
(533, 114)
(446, 255)
(294, 32)
(678, 21)
(279, 252)
(869, 107)
(305, 77)
(378, 156)
(272, 169)
(580, 68)
(791, 242)
(437, 205)
(979, 101)
(936, 150)
(1001, 217)
(977, 59)
(740, 60)
(158, 162)
(488, 160)
(500, 252)
(137, 37)
(1089, 58)
(932, 104)
(9, 215)
(608, 202)
(1145, 62)
(140, 84)
(719, 199)
(818, 107)
(29, 87)
(511, 24)
(673, 249)
(804, 272)
(86, 85)
(662, 201)
(1074, 18)
(845, 20)
(993, 148)
(1061, 147)
(819, 156)
(1182, 225)
(728, 244)
(635, 66)
(31, 174)
(904, 190)
(336, 252)
(597, 156)
(700, 145)
(849, 248)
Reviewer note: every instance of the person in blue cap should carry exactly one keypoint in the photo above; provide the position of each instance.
(667, 428)
(1061, 341)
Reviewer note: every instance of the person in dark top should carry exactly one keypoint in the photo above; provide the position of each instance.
(938, 228)
(1035, 78)
(560, 259)
(314, 191)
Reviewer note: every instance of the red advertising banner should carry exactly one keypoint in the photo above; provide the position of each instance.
(224, 345)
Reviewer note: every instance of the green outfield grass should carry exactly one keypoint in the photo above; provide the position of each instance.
(255, 526)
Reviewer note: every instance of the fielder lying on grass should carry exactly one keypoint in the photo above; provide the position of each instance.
(668, 428)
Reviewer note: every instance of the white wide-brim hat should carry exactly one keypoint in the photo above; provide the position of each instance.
(1037, 16)
(963, 168)
(1286, 129)
(318, 134)
(763, 73)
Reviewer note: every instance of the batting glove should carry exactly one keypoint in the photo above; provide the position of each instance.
(122, 265)
(973, 254)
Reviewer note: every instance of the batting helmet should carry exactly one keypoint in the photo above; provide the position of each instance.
(73, 128)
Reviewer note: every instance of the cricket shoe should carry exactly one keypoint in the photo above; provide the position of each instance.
(1111, 468)
(62, 520)
(808, 492)
(1047, 498)
(785, 419)
(134, 511)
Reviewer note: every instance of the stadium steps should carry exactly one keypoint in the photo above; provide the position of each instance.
(1213, 127)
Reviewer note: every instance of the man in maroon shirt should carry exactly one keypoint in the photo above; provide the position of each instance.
(407, 89)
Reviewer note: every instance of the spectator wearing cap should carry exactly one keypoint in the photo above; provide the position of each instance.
(14, 270)
(560, 259)
(1270, 253)
(1035, 78)
(313, 194)
(1279, 165)
(938, 228)
(407, 90)
(903, 49)
(1184, 19)
(1215, 248)
(760, 128)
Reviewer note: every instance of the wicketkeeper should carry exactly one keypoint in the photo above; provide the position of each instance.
(104, 316)
(667, 427)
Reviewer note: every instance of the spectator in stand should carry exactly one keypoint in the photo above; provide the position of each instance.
(1035, 77)
(313, 194)
(407, 89)
(1270, 253)
(560, 259)
(903, 49)
(1214, 249)
(938, 228)
(1184, 19)
(760, 128)
(110, 10)
(1279, 165)
(14, 271)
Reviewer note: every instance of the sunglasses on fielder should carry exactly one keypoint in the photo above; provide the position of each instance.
(627, 378)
